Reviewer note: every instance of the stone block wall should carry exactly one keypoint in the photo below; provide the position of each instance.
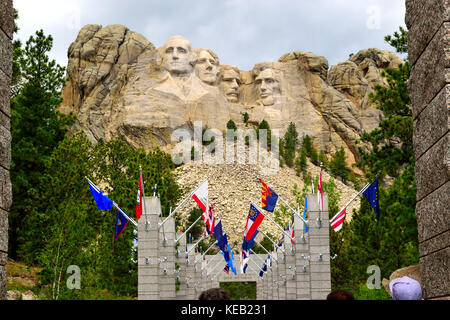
(6, 36)
(428, 25)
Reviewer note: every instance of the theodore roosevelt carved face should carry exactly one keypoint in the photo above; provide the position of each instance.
(229, 83)
(268, 87)
(206, 67)
(178, 56)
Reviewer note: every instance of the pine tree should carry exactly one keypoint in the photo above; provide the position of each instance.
(338, 165)
(290, 144)
(36, 125)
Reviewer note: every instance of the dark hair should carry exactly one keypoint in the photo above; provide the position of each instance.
(340, 295)
(214, 294)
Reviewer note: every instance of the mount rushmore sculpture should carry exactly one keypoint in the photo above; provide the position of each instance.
(119, 84)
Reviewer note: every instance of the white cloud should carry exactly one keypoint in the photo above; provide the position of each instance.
(241, 32)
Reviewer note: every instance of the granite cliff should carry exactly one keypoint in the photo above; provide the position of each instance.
(118, 83)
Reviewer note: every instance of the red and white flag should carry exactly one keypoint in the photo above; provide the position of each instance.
(338, 220)
(200, 196)
(320, 195)
(139, 200)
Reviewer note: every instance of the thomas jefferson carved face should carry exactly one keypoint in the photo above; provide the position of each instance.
(229, 84)
(178, 56)
(206, 67)
(268, 87)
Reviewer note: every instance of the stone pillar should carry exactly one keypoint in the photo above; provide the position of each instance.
(191, 272)
(275, 275)
(428, 23)
(148, 250)
(180, 255)
(281, 273)
(6, 36)
(302, 257)
(291, 283)
(167, 289)
(319, 248)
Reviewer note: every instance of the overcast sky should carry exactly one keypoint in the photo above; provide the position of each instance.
(241, 32)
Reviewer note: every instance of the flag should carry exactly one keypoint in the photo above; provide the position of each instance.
(228, 256)
(209, 220)
(338, 220)
(305, 214)
(264, 268)
(247, 244)
(312, 186)
(254, 219)
(245, 256)
(102, 201)
(292, 234)
(320, 190)
(219, 236)
(280, 241)
(121, 223)
(200, 196)
(371, 194)
(225, 249)
(140, 195)
(227, 269)
(268, 198)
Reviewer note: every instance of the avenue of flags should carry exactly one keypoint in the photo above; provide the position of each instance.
(255, 217)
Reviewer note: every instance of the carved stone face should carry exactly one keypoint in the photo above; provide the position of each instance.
(206, 67)
(230, 85)
(178, 56)
(268, 87)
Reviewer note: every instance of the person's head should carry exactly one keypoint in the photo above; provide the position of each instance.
(178, 56)
(214, 294)
(340, 295)
(268, 85)
(405, 288)
(206, 67)
(229, 83)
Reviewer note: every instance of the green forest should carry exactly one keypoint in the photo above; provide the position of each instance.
(54, 223)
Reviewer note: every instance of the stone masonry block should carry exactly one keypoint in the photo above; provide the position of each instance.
(432, 213)
(431, 168)
(432, 123)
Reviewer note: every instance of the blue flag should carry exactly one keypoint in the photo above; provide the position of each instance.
(305, 214)
(121, 223)
(371, 194)
(246, 245)
(268, 197)
(217, 232)
(228, 256)
(102, 201)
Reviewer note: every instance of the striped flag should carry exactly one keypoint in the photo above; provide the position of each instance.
(200, 196)
(320, 191)
(254, 219)
(338, 220)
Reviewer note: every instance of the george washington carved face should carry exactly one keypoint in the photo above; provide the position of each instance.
(178, 56)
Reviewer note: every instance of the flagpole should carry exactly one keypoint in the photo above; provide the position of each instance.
(182, 203)
(143, 195)
(271, 220)
(264, 250)
(190, 227)
(274, 244)
(115, 205)
(348, 203)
